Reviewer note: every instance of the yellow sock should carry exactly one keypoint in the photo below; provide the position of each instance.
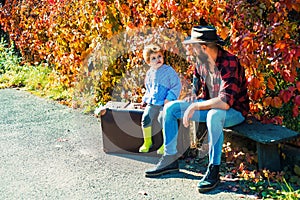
(161, 150)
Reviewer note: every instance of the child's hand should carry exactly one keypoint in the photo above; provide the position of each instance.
(166, 101)
(141, 105)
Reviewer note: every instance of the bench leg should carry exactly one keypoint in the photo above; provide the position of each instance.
(268, 157)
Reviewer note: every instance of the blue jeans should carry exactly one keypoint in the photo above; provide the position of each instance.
(216, 120)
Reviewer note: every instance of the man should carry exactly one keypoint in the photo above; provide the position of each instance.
(220, 100)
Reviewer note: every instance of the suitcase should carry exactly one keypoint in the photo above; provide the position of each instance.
(122, 132)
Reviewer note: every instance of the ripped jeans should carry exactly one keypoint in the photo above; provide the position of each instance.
(216, 120)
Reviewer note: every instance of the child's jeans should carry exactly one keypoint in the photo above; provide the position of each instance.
(215, 120)
(150, 113)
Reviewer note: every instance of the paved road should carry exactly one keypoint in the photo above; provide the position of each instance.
(49, 151)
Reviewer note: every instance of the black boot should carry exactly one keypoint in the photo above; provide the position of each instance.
(210, 180)
(167, 164)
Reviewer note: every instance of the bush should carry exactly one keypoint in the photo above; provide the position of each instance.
(264, 34)
(39, 79)
(8, 59)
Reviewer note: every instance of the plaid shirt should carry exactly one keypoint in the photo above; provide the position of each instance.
(228, 82)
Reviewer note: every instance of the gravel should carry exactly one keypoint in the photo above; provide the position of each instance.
(50, 151)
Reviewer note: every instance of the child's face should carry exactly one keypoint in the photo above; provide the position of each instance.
(156, 60)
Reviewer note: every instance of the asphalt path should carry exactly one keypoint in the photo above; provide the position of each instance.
(50, 151)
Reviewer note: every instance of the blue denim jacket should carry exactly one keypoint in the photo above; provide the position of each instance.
(162, 83)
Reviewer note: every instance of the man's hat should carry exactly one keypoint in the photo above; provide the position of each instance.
(203, 34)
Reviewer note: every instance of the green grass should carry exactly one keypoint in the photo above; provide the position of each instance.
(38, 79)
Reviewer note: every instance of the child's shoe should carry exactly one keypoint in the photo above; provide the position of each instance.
(147, 132)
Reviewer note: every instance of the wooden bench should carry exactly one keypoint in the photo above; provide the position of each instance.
(267, 138)
(122, 132)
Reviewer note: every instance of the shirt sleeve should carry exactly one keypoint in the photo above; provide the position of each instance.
(175, 86)
(230, 80)
(196, 83)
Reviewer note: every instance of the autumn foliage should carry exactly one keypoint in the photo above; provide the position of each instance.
(72, 37)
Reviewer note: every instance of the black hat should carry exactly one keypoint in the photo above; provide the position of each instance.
(203, 34)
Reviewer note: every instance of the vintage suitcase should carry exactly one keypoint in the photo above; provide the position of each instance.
(122, 133)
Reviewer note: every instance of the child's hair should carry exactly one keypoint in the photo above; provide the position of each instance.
(149, 49)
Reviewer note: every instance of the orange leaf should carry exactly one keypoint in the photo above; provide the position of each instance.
(224, 33)
(257, 95)
(280, 45)
(253, 107)
(276, 102)
(267, 101)
(255, 82)
(287, 36)
(271, 83)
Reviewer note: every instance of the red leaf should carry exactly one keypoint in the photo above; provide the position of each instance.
(277, 120)
(285, 95)
(298, 85)
(292, 89)
(288, 76)
(297, 100)
(295, 111)
(51, 2)
(297, 54)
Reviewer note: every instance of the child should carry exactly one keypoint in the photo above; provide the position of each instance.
(162, 85)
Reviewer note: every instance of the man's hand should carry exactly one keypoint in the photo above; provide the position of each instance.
(188, 114)
(203, 105)
(190, 98)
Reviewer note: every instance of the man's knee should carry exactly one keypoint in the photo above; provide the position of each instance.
(215, 115)
(172, 107)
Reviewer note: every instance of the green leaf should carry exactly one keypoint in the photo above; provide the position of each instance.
(264, 194)
(297, 170)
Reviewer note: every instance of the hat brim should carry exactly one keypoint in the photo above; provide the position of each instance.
(190, 40)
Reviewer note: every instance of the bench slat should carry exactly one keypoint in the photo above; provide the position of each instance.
(263, 133)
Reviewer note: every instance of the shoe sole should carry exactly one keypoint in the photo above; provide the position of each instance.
(202, 190)
(162, 173)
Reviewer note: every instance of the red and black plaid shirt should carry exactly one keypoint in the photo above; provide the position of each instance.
(229, 82)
